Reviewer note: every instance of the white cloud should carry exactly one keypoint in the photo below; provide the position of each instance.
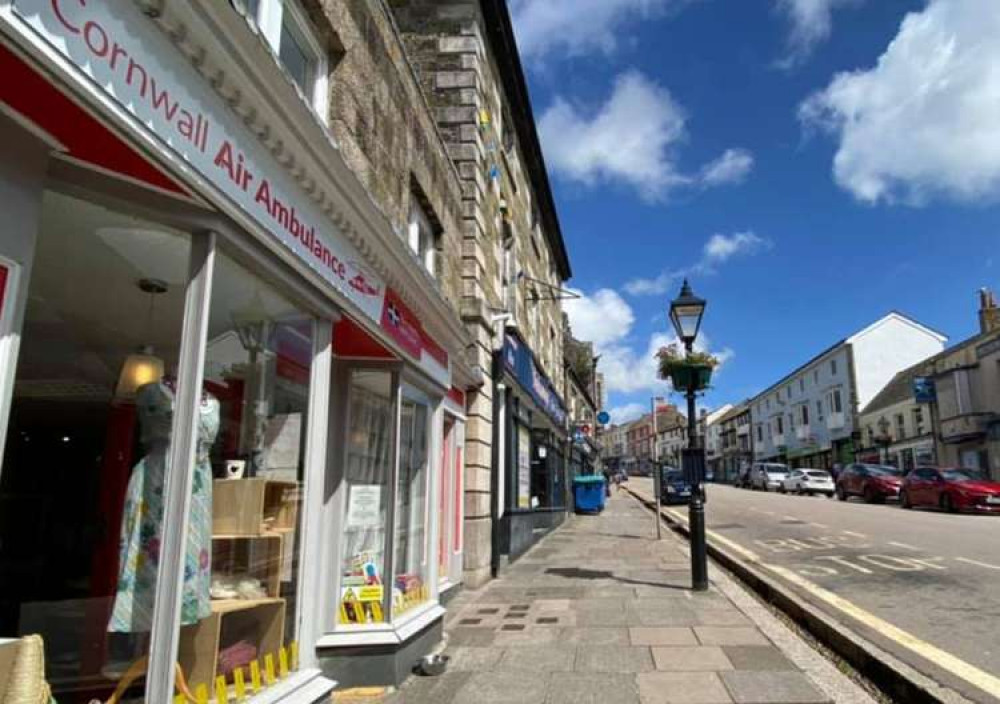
(720, 248)
(606, 319)
(811, 23)
(732, 167)
(631, 138)
(923, 122)
(601, 318)
(627, 412)
(717, 250)
(655, 286)
(628, 371)
(574, 27)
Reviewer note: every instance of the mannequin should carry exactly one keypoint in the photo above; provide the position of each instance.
(142, 518)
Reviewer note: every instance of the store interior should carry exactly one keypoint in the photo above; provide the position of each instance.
(88, 452)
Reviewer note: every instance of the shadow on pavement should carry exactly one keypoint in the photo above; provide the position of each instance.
(580, 573)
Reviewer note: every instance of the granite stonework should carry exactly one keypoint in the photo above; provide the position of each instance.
(511, 258)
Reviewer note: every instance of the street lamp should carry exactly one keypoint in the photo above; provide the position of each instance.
(686, 312)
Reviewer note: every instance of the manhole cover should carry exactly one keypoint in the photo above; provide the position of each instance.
(795, 522)
(725, 526)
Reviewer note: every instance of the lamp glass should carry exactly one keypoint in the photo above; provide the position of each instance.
(139, 369)
(687, 320)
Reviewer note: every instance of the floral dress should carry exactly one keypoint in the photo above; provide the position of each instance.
(142, 519)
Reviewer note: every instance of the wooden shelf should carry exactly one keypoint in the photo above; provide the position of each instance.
(228, 606)
(260, 622)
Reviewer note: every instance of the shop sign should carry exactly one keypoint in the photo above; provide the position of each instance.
(404, 327)
(924, 390)
(135, 64)
(520, 362)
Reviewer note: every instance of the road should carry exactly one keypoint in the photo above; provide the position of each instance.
(924, 585)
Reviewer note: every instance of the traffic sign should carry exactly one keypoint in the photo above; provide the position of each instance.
(603, 417)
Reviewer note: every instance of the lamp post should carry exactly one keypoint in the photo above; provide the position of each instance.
(686, 312)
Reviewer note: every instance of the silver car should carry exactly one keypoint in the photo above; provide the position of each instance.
(808, 481)
(768, 476)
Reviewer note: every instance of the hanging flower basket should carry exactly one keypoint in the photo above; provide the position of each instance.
(686, 371)
(685, 376)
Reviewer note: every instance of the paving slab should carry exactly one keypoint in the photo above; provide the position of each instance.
(730, 635)
(465, 659)
(503, 688)
(682, 688)
(592, 688)
(757, 657)
(772, 688)
(661, 635)
(691, 658)
(602, 612)
(613, 658)
(597, 636)
(538, 658)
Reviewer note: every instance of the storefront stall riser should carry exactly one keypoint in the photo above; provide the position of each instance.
(140, 181)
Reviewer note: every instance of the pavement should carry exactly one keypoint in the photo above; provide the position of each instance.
(920, 585)
(600, 611)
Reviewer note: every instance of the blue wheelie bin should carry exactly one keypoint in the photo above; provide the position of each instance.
(588, 493)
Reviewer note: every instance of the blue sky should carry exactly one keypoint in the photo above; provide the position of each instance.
(809, 164)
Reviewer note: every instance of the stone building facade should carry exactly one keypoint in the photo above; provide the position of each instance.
(512, 256)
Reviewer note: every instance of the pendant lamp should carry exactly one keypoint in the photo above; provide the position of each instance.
(143, 366)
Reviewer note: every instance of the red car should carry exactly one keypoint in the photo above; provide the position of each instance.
(874, 482)
(950, 489)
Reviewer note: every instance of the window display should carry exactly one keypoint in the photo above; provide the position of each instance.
(87, 452)
(252, 432)
(368, 472)
(410, 587)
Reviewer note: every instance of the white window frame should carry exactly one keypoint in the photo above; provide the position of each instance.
(395, 629)
(271, 15)
(422, 237)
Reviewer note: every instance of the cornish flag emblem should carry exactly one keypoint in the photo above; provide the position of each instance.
(393, 314)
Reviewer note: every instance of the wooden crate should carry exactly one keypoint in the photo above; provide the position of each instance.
(261, 622)
(257, 556)
(253, 506)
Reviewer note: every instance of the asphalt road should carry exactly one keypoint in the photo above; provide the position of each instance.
(923, 585)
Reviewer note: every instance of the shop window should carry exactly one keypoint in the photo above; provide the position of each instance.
(368, 473)
(410, 559)
(252, 438)
(292, 38)
(450, 503)
(88, 445)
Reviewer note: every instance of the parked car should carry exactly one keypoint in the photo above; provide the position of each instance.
(874, 482)
(768, 475)
(808, 481)
(674, 488)
(950, 489)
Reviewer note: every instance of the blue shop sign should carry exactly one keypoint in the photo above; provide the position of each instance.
(520, 362)
(924, 390)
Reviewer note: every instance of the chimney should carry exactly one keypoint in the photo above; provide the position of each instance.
(989, 314)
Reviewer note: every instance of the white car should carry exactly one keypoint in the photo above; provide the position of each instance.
(768, 475)
(808, 481)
